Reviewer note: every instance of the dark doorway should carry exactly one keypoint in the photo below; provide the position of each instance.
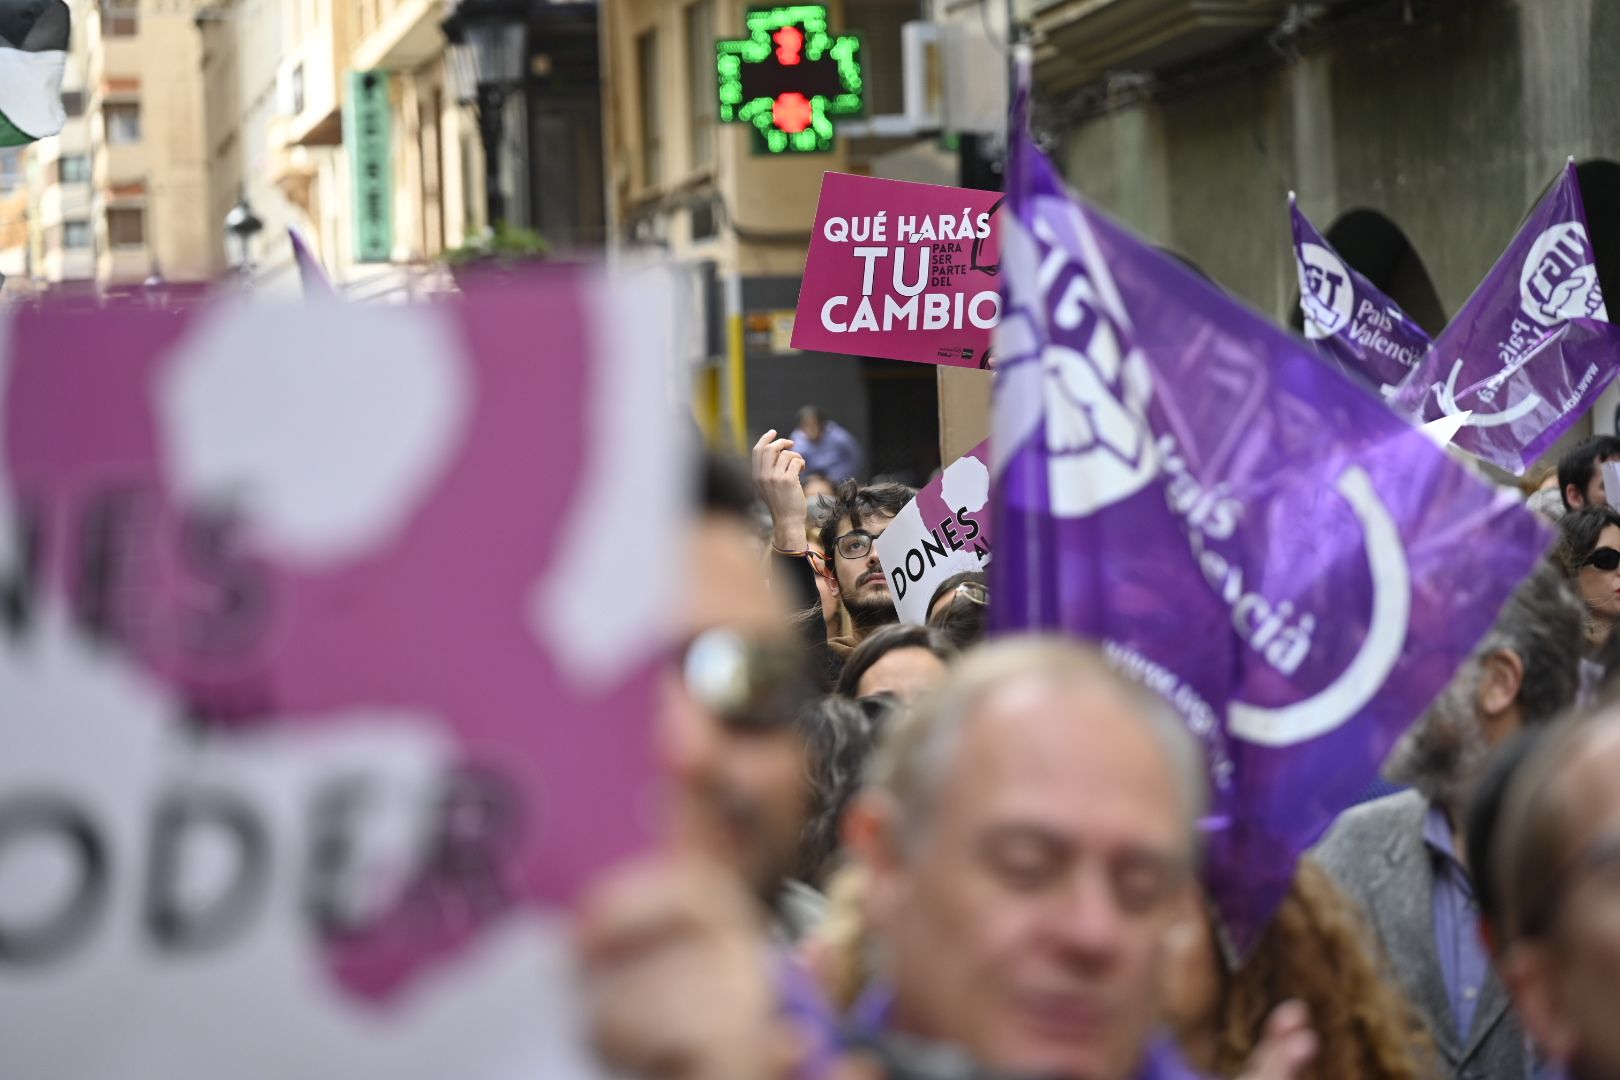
(1375, 247)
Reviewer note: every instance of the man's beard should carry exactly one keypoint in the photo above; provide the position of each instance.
(1442, 753)
(873, 613)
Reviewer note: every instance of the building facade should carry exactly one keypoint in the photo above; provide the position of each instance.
(144, 121)
(683, 185)
(1417, 135)
(61, 233)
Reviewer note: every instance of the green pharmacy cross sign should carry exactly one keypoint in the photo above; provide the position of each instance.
(790, 78)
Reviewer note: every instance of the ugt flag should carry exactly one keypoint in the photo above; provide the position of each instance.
(33, 53)
(1294, 567)
(1530, 350)
(1353, 324)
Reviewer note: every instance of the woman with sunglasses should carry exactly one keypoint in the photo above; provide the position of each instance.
(1589, 555)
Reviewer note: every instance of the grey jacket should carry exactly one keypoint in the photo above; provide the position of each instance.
(1375, 853)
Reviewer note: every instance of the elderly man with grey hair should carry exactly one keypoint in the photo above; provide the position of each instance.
(1029, 837)
(1403, 857)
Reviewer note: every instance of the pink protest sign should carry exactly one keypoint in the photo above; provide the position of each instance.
(942, 532)
(901, 270)
(326, 662)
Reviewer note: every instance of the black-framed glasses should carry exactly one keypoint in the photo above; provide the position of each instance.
(855, 545)
(751, 684)
(1604, 558)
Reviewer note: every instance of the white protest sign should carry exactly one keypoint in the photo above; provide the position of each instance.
(1611, 482)
(314, 717)
(945, 530)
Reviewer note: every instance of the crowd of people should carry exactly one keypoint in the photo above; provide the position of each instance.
(903, 851)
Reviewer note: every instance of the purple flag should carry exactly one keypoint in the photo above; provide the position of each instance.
(1495, 357)
(1293, 566)
(310, 273)
(1351, 322)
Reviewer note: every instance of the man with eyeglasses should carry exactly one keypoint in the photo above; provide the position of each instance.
(859, 516)
(848, 560)
(1404, 857)
(1557, 860)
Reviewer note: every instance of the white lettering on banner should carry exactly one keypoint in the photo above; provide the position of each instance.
(941, 532)
(1571, 403)
(1325, 292)
(957, 533)
(1184, 699)
(938, 266)
(1281, 635)
(1446, 394)
(1380, 649)
(165, 880)
(1559, 279)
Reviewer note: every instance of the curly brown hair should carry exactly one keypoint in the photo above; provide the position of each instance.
(1317, 951)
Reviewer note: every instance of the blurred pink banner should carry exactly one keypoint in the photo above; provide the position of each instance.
(358, 595)
(901, 270)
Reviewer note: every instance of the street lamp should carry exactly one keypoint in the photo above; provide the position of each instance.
(241, 225)
(488, 52)
(156, 287)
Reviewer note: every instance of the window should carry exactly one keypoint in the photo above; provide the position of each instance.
(701, 80)
(652, 136)
(703, 222)
(73, 169)
(76, 234)
(123, 122)
(119, 19)
(73, 102)
(126, 227)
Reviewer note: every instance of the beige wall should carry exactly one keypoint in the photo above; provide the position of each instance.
(765, 195)
(165, 174)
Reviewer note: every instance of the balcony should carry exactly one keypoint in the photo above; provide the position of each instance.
(397, 35)
(120, 163)
(1083, 40)
(67, 264)
(118, 58)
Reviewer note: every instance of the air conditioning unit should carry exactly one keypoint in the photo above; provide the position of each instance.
(923, 63)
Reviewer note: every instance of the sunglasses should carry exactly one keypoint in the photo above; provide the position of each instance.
(1604, 558)
(854, 545)
(751, 685)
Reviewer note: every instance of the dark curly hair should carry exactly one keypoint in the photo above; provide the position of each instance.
(1317, 951)
(857, 503)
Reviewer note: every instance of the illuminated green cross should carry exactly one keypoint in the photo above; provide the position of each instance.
(789, 78)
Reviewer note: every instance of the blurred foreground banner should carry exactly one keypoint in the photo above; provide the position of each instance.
(901, 270)
(326, 639)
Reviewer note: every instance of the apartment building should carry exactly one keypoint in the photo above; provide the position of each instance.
(148, 165)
